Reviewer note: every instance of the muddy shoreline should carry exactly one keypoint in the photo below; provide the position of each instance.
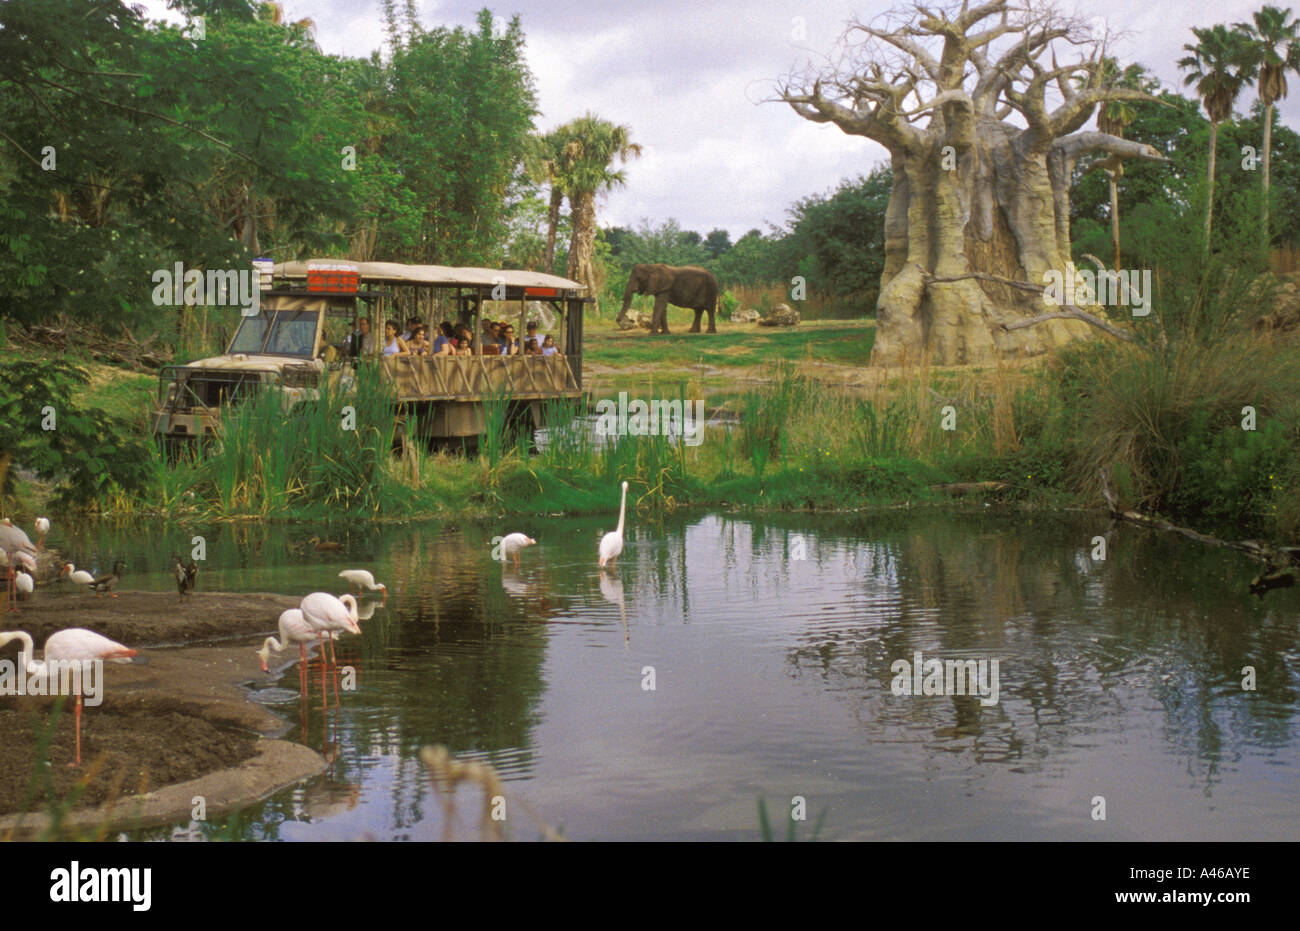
(176, 723)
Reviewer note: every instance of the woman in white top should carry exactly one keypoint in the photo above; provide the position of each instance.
(393, 344)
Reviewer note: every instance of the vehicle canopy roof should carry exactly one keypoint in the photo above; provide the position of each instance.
(395, 273)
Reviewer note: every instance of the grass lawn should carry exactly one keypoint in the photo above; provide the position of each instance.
(722, 364)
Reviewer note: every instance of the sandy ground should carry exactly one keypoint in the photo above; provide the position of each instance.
(175, 715)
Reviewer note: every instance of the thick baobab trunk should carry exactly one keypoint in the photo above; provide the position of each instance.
(582, 243)
(996, 213)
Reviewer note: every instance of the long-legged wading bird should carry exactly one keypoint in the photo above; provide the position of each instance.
(361, 578)
(75, 645)
(325, 613)
(18, 549)
(294, 628)
(512, 543)
(78, 576)
(42, 528)
(611, 544)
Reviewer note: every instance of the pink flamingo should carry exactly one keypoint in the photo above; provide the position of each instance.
(327, 614)
(73, 645)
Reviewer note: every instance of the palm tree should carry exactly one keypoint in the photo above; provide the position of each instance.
(592, 147)
(1217, 66)
(1273, 48)
(1113, 118)
(548, 160)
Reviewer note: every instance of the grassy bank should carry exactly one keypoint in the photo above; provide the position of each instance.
(815, 428)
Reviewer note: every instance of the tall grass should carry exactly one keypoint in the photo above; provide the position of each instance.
(327, 453)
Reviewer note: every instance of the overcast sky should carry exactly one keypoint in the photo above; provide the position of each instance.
(688, 78)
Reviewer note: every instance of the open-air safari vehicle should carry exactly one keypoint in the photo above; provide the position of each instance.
(301, 335)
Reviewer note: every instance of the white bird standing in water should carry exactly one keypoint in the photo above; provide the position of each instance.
(326, 614)
(294, 628)
(42, 528)
(73, 645)
(611, 544)
(25, 585)
(360, 578)
(512, 543)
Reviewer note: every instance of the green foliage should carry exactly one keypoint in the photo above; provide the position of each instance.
(270, 458)
(451, 115)
(1228, 473)
(87, 454)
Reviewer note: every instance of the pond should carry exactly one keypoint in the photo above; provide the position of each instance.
(730, 660)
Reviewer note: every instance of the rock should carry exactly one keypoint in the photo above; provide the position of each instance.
(633, 319)
(780, 315)
(1285, 313)
(745, 316)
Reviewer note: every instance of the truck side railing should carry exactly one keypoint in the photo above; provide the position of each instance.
(468, 378)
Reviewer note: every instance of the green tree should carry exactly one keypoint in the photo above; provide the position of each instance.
(1218, 67)
(598, 144)
(1272, 49)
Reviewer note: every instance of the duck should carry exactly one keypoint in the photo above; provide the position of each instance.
(324, 546)
(186, 576)
(106, 583)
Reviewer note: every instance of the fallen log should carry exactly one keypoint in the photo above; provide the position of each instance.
(1281, 563)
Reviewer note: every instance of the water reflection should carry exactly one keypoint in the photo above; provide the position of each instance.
(771, 642)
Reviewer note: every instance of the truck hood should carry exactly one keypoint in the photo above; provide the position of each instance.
(252, 361)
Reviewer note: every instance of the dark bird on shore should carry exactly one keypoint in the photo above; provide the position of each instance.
(186, 576)
(324, 546)
(106, 583)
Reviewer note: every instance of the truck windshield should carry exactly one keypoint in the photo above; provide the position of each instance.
(280, 333)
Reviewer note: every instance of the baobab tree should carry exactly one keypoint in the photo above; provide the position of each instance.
(982, 124)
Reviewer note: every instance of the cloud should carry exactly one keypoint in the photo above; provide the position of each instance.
(687, 79)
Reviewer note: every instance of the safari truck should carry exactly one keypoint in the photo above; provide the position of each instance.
(306, 330)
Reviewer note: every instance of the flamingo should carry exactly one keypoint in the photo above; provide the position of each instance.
(25, 585)
(512, 543)
(79, 576)
(75, 645)
(42, 528)
(325, 613)
(360, 578)
(294, 628)
(611, 544)
(18, 548)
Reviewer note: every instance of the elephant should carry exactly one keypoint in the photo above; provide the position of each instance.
(682, 286)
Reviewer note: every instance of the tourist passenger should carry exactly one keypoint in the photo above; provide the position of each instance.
(393, 344)
(509, 345)
(411, 324)
(443, 345)
(532, 336)
(419, 343)
(548, 347)
(358, 342)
